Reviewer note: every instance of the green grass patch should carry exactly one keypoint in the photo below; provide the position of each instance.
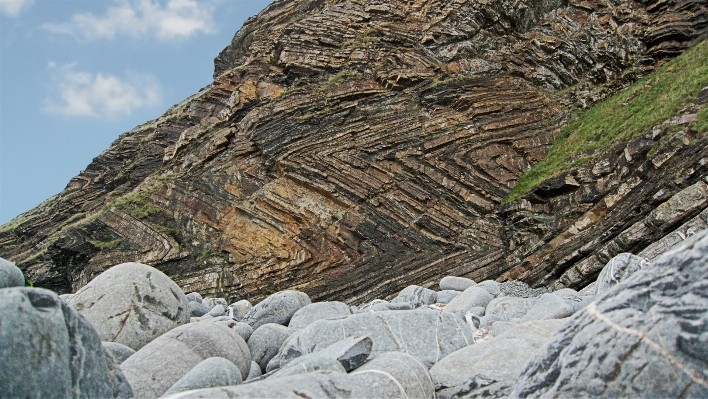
(104, 245)
(700, 125)
(624, 116)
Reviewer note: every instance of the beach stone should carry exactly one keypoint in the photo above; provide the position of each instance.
(10, 275)
(254, 371)
(119, 352)
(645, 337)
(401, 306)
(477, 311)
(132, 304)
(509, 308)
(348, 354)
(617, 269)
(278, 308)
(243, 329)
(265, 342)
(519, 289)
(238, 310)
(65, 297)
(446, 296)
(308, 364)
(196, 309)
(318, 311)
(194, 297)
(157, 366)
(549, 306)
(489, 370)
(456, 283)
(498, 327)
(471, 297)
(217, 311)
(409, 373)
(491, 286)
(211, 302)
(49, 351)
(416, 296)
(210, 372)
(427, 335)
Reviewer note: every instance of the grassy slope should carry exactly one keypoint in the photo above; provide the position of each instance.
(626, 115)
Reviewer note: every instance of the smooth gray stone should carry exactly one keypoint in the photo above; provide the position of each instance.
(350, 352)
(478, 311)
(487, 320)
(576, 299)
(409, 373)
(549, 306)
(318, 311)
(509, 308)
(401, 306)
(254, 371)
(456, 283)
(491, 286)
(10, 275)
(470, 298)
(243, 329)
(49, 351)
(194, 297)
(377, 305)
(416, 296)
(119, 352)
(446, 296)
(238, 310)
(265, 342)
(211, 302)
(617, 269)
(489, 370)
(645, 337)
(217, 311)
(197, 309)
(209, 373)
(497, 328)
(278, 308)
(307, 364)
(426, 335)
(207, 317)
(152, 370)
(65, 297)
(132, 304)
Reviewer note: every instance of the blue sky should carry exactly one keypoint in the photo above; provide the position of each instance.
(74, 74)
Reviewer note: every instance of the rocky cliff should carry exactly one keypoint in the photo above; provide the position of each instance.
(347, 148)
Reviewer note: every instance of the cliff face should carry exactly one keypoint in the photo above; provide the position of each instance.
(352, 147)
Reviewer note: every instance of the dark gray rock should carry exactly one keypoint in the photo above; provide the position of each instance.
(209, 373)
(194, 297)
(10, 275)
(509, 308)
(549, 306)
(427, 335)
(645, 337)
(119, 352)
(470, 298)
(132, 304)
(617, 269)
(238, 310)
(416, 296)
(489, 370)
(158, 365)
(196, 309)
(217, 311)
(491, 286)
(254, 371)
(456, 283)
(519, 289)
(349, 352)
(265, 342)
(49, 351)
(318, 311)
(278, 308)
(446, 296)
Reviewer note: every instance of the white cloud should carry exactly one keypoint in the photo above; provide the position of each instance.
(140, 18)
(83, 94)
(12, 8)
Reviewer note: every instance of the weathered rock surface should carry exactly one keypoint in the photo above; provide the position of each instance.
(196, 309)
(318, 311)
(616, 270)
(239, 309)
(416, 296)
(49, 351)
(210, 372)
(646, 337)
(471, 297)
(119, 352)
(510, 308)
(132, 304)
(265, 342)
(278, 308)
(10, 275)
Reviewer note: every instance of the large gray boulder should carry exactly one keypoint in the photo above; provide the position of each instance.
(196, 309)
(318, 311)
(158, 365)
(617, 269)
(132, 304)
(456, 283)
(49, 351)
(10, 275)
(209, 373)
(278, 308)
(416, 296)
(471, 297)
(509, 308)
(265, 342)
(427, 335)
(119, 352)
(646, 337)
(550, 306)
(489, 370)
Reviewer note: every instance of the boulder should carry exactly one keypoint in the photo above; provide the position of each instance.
(645, 337)
(254, 371)
(239, 309)
(491, 286)
(550, 306)
(210, 372)
(416, 296)
(278, 308)
(10, 275)
(617, 269)
(196, 309)
(489, 370)
(158, 365)
(308, 364)
(132, 304)
(243, 329)
(49, 351)
(408, 374)
(265, 342)
(509, 308)
(456, 283)
(318, 311)
(427, 335)
(218, 310)
(119, 352)
(446, 296)
(194, 297)
(349, 352)
(211, 302)
(470, 298)
(376, 305)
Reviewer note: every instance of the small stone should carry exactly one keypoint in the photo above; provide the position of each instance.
(238, 310)
(218, 310)
(10, 275)
(471, 297)
(211, 302)
(509, 308)
(194, 297)
(307, 364)
(456, 283)
(318, 311)
(196, 309)
(350, 352)
(254, 372)
(278, 308)
(549, 306)
(377, 305)
(210, 372)
(265, 342)
(491, 286)
(119, 352)
(416, 296)
(617, 269)
(446, 296)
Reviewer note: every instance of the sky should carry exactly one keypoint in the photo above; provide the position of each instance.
(75, 74)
